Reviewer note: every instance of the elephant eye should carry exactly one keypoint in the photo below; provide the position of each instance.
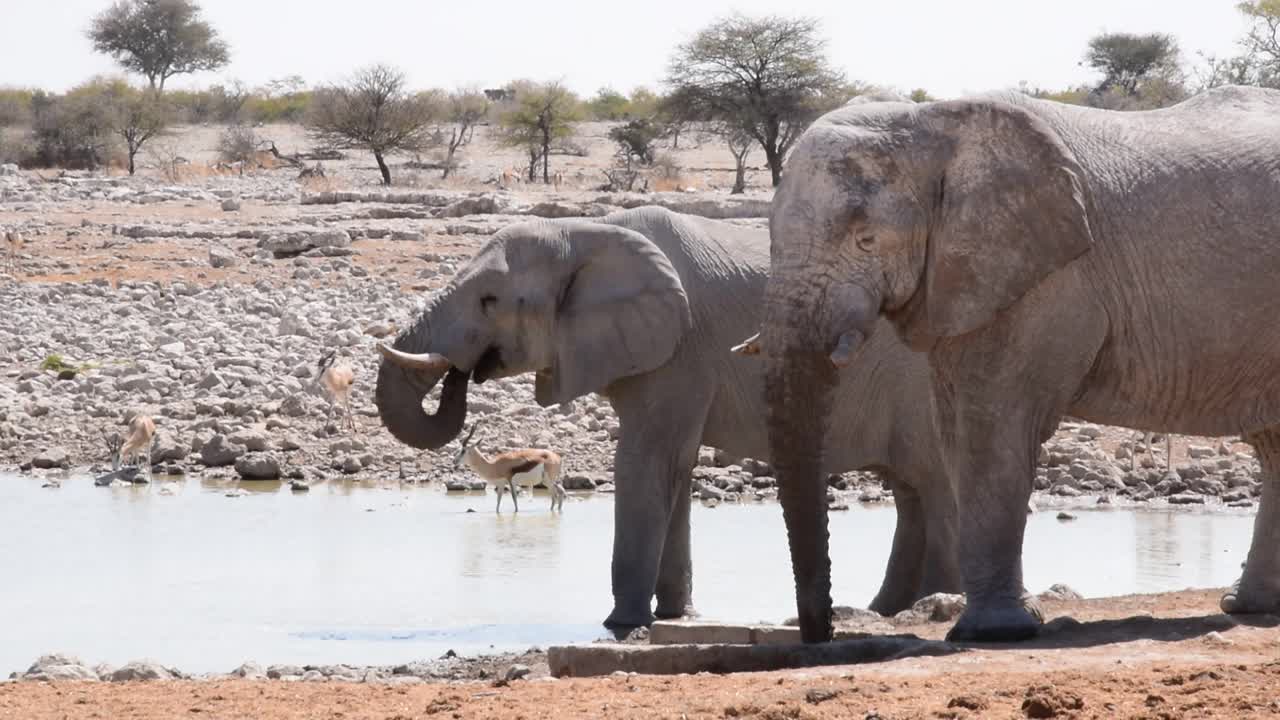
(866, 242)
(487, 302)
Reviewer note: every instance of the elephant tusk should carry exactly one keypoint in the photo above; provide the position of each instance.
(750, 346)
(846, 347)
(432, 362)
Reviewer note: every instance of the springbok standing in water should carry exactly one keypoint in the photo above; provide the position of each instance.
(503, 472)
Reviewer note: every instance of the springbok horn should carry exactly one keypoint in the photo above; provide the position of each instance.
(423, 361)
(750, 346)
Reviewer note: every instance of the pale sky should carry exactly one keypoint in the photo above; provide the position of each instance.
(948, 47)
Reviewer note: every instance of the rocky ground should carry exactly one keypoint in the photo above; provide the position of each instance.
(207, 301)
(1141, 656)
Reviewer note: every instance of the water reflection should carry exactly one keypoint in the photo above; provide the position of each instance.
(362, 574)
(503, 543)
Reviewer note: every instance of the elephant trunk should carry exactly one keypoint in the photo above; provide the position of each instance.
(399, 397)
(805, 338)
(405, 378)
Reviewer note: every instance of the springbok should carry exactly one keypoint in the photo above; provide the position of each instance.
(142, 430)
(508, 177)
(525, 467)
(337, 378)
(1168, 451)
(557, 180)
(13, 245)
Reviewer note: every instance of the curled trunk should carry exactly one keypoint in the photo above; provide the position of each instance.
(399, 398)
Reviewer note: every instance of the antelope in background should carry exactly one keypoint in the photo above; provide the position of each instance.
(337, 378)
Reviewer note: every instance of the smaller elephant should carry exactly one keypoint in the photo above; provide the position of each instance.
(642, 307)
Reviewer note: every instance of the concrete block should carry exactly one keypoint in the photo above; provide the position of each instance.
(775, 635)
(687, 632)
(606, 658)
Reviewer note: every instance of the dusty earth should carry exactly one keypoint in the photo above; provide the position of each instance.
(1141, 656)
(118, 238)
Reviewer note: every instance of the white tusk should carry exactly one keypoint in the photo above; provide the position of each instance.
(846, 347)
(432, 362)
(750, 346)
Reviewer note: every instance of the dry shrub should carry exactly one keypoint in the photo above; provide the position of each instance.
(318, 184)
(238, 143)
(666, 173)
(164, 158)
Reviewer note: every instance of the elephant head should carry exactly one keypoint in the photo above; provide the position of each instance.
(938, 216)
(579, 303)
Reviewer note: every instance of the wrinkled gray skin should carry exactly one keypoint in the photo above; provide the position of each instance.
(1051, 260)
(642, 307)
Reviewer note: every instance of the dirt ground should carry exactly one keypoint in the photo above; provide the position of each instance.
(1141, 656)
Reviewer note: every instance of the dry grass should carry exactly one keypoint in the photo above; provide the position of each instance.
(315, 184)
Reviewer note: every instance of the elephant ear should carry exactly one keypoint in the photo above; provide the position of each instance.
(1011, 211)
(622, 311)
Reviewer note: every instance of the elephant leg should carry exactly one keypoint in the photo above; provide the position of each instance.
(1258, 589)
(902, 574)
(657, 448)
(995, 457)
(675, 571)
(941, 564)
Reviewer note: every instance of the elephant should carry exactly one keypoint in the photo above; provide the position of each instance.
(640, 306)
(1050, 261)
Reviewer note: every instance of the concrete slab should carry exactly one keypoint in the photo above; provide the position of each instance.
(607, 658)
(693, 632)
(775, 635)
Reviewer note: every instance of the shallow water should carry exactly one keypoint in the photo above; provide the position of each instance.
(362, 575)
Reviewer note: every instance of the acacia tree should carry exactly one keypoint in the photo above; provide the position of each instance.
(1127, 60)
(136, 116)
(767, 75)
(158, 39)
(465, 109)
(372, 112)
(1259, 63)
(542, 114)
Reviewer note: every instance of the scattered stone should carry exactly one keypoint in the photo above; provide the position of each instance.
(968, 702)
(258, 466)
(53, 458)
(219, 451)
(517, 672)
(815, 696)
(221, 257)
(58, 667)
(1065, 516)
(938, 607)
(1046, 701)
(230, 205)
(1058, 591)
(142, 670)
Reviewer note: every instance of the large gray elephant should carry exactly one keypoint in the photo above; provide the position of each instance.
(641, 306)
(1051, 260)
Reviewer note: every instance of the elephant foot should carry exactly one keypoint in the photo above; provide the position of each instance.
(888, 606)
(676, 612)
(999, 623)
(1244, 599)
(625, 621)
